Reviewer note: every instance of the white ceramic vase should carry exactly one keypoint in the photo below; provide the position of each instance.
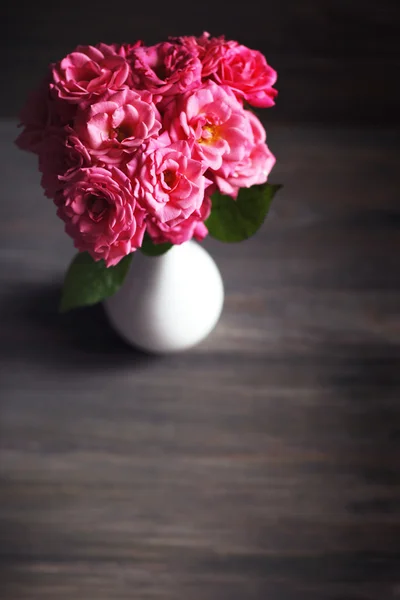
(168, 303)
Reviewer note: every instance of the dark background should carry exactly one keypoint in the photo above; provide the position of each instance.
(338, 60)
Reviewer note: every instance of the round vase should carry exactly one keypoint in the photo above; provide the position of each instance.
(168, 303)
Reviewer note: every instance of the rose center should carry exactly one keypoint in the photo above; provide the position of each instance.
(209, 134)
(170, 178)
(96, 207)
(122, 132)
(161, 71)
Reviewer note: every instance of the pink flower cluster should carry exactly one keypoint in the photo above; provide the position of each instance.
(133, 138)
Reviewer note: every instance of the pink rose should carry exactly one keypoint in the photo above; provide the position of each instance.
(101, 213)
(191, 227)
(197, 45)
(135, 163)
(41, 114)
(60, 154)
(170, 184)
(245, 71)
(215, 124)
(166, 68)
(126, 50)
(114, 128)
(253, 169)
(89, 71)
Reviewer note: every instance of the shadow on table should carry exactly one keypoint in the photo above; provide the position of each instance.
(35, 330)
(361, 444)
(14, 549)
(367, 378)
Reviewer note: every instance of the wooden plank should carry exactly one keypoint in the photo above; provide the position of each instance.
(265, 463)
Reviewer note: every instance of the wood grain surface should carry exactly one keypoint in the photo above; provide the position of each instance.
(263, 464)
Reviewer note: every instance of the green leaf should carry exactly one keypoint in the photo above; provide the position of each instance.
(237, 220)
(149, 248)
(88, 282)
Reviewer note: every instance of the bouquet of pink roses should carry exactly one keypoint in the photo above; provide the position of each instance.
(146, 147)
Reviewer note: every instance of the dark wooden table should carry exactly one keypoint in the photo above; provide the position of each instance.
(263, 464)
